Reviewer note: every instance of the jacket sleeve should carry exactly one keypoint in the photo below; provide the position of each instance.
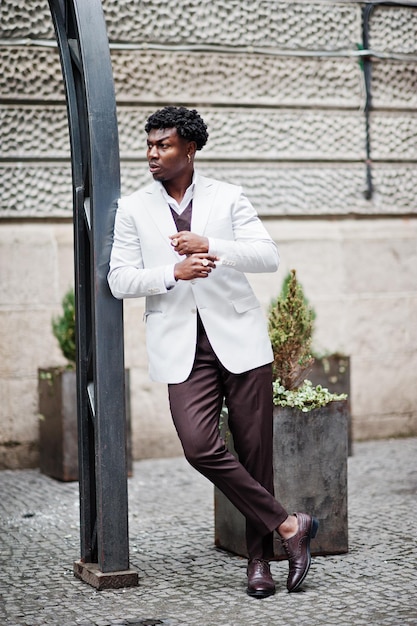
(127, 277)
(252, 249)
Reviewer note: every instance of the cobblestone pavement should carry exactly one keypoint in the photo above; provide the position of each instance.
(184, 579)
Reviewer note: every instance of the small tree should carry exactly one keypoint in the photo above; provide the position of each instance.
(291, 321)
(63, 327)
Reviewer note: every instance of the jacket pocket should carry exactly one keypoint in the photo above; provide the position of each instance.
(246, 304)
(152, 312)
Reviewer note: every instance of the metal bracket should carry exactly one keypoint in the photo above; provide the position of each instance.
(366, 62)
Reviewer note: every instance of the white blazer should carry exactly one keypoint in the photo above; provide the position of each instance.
(231, 314)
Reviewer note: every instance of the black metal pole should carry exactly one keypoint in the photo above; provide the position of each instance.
(86, 66)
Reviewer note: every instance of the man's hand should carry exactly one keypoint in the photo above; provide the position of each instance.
(188, 243)
(195, 266)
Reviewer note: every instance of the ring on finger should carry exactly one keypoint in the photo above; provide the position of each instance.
(175, 242)
(204, 262)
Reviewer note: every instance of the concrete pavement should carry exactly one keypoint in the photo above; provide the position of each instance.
(183, 579)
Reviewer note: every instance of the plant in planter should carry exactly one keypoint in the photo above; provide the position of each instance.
(310, 435)
(57, 391)
(58, 440)
(291, 328)
(291, 323)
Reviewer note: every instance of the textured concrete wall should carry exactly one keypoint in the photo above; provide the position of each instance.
(282, 90)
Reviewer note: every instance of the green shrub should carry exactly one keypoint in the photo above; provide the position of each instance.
(290, 330)
(63, 327)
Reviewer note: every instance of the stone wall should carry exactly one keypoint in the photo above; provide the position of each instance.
(281, 87)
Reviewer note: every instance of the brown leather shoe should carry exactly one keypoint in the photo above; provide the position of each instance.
(260, 582)
(298, 550)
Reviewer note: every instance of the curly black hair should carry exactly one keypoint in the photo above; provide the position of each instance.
(189, 124)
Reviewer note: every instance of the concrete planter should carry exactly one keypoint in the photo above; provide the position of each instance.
(333, 372)
(58, 432)
(310, 475)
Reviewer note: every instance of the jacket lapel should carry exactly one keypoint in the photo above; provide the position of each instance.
(160, 213)
(202, 203)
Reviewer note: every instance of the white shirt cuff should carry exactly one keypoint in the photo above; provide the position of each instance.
(212, 246)
(169, 277)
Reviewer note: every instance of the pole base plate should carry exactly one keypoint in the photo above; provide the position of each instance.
(91, 574)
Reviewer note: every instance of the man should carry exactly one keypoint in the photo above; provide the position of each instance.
(184, 242)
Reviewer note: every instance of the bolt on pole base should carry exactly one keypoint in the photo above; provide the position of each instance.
(90, 574)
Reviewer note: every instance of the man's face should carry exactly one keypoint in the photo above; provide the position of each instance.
(167, 154)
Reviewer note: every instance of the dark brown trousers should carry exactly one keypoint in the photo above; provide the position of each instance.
(247, 482)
